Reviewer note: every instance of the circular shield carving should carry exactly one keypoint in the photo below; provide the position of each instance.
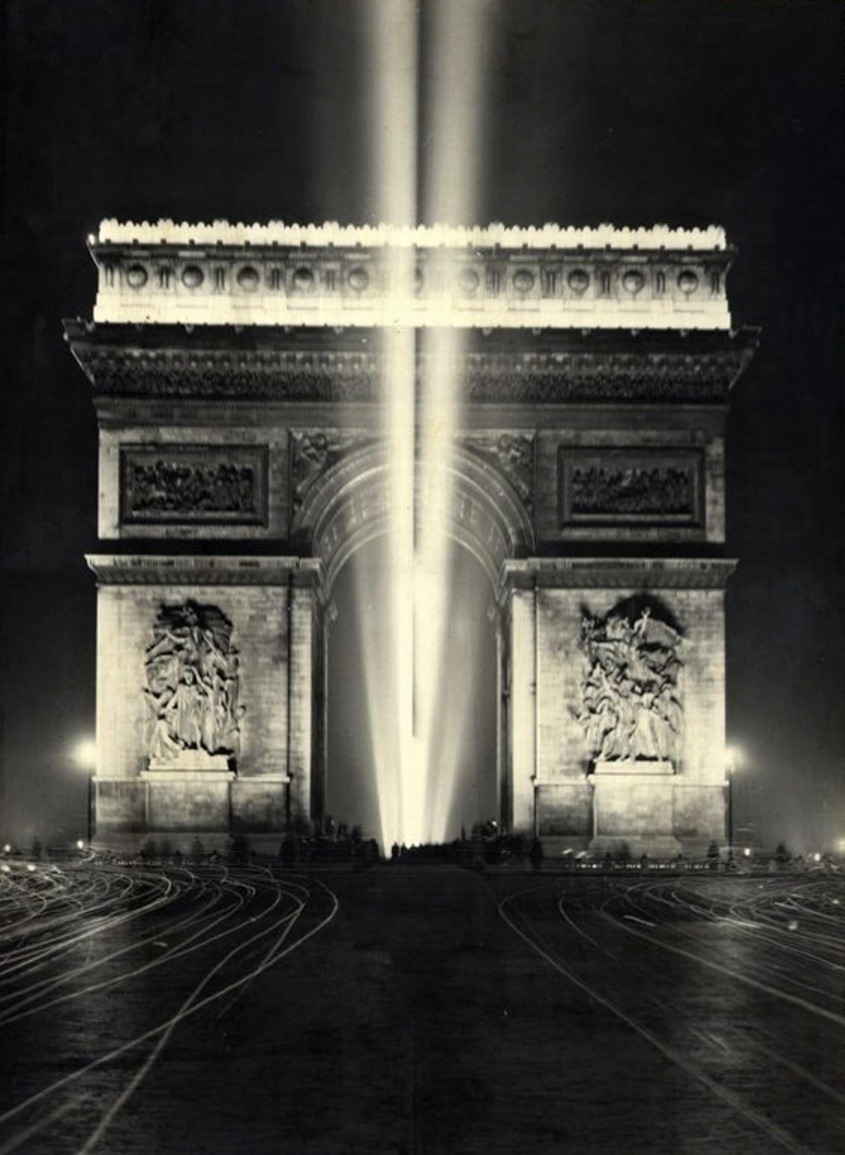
(136, 276)
(303, 280)
(687, 281)
(633, 281)
(578, 280)
(358, 279)
(248, 278)
(192, 276)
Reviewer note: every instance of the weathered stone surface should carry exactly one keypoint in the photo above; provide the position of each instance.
(565, 809)
(634, 806)
(260, 804)
(188, 800)
(120, 806)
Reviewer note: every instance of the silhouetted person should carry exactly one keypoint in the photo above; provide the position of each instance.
(536, 854)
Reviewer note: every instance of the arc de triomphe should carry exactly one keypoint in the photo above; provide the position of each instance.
(235, 374)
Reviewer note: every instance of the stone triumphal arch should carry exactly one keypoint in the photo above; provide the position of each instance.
(238, 375)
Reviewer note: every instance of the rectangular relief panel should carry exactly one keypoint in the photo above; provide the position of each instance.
(193, 485)
(630, 487)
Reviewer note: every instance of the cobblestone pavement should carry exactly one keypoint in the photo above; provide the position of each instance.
(420, 1009)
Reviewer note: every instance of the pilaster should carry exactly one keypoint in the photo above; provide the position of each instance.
(306, 692)
(523, 708)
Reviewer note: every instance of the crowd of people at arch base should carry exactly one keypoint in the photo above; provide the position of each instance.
(330, 843)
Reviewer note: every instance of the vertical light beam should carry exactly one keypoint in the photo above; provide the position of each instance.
(456, 63)
(414, 772)
(393, 115)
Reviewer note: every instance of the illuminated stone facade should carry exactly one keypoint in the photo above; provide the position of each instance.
(235, 373)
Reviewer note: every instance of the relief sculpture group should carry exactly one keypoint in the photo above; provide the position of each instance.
(192, 684)
(631, 708)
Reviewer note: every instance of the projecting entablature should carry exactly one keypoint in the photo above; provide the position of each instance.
(487, 278)
(287, 365)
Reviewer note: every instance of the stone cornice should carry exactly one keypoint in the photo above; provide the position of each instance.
(245, 339)
(152, 569)
(535, 368)
(545, 573)
(617, 573)
(658, 278)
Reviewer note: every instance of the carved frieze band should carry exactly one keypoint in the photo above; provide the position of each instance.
(189, 484)
(489, 377)
(630, 487)
(191, 571)
(501, 277)
(618, 573)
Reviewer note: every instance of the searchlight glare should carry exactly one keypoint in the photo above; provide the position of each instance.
(389, 689)
(416, 744)
(452, 116)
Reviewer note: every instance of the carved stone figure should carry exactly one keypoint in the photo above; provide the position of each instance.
(630, 703)
(514, 456)
(192, 683)
(638, 490)
(313, 452)
(175, 485)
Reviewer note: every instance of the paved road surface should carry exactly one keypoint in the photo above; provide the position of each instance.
(418, 1010)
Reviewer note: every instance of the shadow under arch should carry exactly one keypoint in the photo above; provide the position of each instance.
(351, 505)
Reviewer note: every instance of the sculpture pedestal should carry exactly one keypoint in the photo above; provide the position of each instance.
(261, 805)
(633, 809)
(195, 797)
(190, 761)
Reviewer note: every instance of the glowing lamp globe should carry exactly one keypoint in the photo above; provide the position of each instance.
(85, 753)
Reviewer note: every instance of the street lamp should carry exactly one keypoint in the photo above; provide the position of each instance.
(732, 761)
(85, 756)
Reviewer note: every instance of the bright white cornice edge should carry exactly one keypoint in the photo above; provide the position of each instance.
(167, 232)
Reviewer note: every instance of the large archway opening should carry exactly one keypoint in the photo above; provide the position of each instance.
(463, 789)
(414, 608)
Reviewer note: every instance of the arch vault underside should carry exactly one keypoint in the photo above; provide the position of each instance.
(353, 502)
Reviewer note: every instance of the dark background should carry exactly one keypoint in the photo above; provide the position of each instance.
(626, 112)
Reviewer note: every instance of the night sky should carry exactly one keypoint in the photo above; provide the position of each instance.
(628, 112)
